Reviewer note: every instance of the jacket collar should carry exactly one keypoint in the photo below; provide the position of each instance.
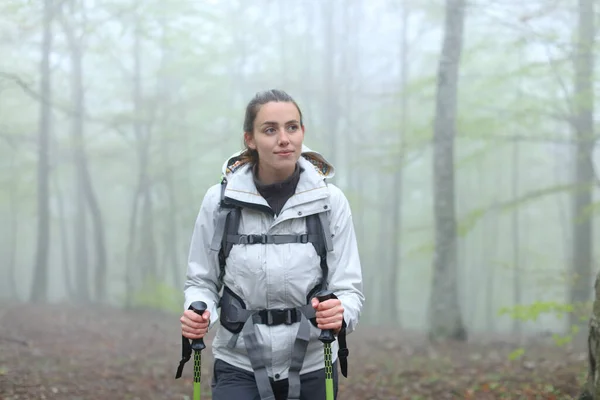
(311, 186)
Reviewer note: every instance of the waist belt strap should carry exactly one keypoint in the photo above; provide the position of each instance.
(235, 313)
(274, 317)
(255, 353)
(299, 351)
(270, 317)
(256, 359)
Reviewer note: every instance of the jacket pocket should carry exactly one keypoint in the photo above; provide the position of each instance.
(247, 269)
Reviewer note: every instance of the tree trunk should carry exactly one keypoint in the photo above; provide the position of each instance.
(145, 254)
(446, 320)
(86, 195)
(397, 189)
(81, 218)
(381, 303)
(82, 165)
(13, 206)
(582, 248)
(491, 250)
(306, 72)
(81, 245)
(64, 240)
(131, 266)
(582, 225)
(591, 390)
(283, 11)
(562, 208)
(346, 96)
(132, 260)
(516, 245)
(39, 287)
(101, 270)
(358, 178)
(329, 117)
(171, 239)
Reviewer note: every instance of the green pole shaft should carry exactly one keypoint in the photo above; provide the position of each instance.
(327, 337)
(198, 345)
(197, 374)
(328, 372)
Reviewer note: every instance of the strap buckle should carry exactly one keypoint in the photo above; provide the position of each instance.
(279, 316)
(254, 239)
(304, 238)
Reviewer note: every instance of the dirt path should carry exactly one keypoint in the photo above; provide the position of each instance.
(68, 353)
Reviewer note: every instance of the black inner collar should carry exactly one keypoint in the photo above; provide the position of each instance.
(278, 193)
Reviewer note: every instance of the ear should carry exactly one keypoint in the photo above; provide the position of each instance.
(249, 139)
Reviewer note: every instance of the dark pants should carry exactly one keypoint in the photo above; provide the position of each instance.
(230, 383)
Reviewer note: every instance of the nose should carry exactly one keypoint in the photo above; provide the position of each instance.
(283, 137)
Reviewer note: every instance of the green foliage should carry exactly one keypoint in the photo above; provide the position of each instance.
(200, 63)
(157, 295)
(466, 224)
(475, 155)
(423, 250)
(516, 354)
(533, 311)
(589, 211)
(537, 194)
(562, 340)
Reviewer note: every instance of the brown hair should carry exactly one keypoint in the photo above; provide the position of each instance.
(260, 99)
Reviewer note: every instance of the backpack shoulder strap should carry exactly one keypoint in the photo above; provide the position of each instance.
(317, 227)
(228, 220)
(232, 223)
(222, 213)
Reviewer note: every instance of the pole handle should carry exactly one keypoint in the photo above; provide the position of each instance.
(199, 307)
(326, 335)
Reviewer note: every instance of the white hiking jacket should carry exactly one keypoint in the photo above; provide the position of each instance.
(276, 275)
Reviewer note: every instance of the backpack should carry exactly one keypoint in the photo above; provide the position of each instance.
(226, 235)
(318, 234)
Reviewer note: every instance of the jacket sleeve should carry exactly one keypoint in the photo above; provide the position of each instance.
(345, 272)
(202, 280)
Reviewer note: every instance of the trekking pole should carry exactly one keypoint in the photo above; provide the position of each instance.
(327, 338)
(198, 345)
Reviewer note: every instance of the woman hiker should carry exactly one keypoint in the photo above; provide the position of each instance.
(272, 235)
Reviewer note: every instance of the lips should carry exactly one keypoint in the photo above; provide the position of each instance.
(284, 153)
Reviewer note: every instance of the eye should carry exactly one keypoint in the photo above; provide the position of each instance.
(270, 130)
(292, 128)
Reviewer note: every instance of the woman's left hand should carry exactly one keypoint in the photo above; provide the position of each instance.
(330, 314)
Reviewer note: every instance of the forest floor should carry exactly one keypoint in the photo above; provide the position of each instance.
(72, 353)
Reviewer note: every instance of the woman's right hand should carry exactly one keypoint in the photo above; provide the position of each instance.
(194, 326)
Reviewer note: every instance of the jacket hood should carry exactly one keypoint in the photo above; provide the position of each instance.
(318, 161)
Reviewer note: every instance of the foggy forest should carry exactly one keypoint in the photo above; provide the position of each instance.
(463, 134)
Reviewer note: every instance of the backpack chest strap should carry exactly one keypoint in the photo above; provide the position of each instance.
(271, 239)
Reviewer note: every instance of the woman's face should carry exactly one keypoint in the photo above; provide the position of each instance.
(277, 138)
